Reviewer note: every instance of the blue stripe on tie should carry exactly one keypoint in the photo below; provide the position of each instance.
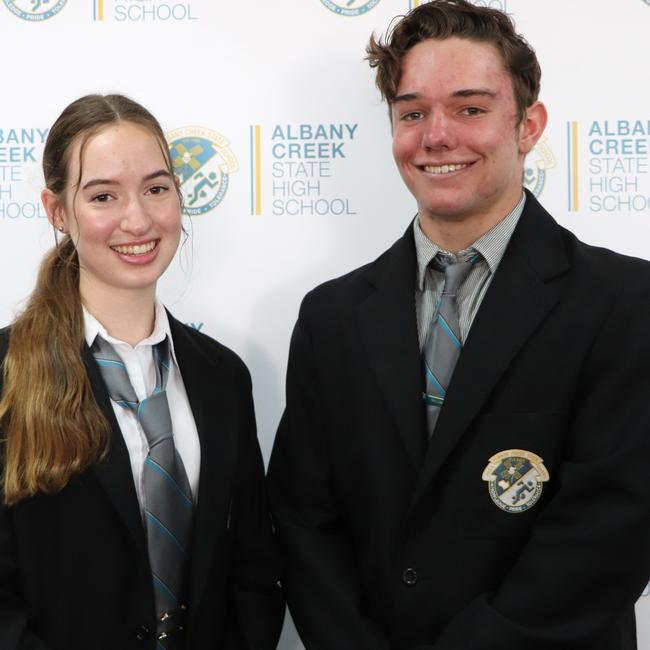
(109, 362)
(436, 384)
(154, 520)
(157, 468)
(447, 329)
(164, 362)
(161, 586)
(126, 404)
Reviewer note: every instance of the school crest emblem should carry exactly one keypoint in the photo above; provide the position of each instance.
(350, 7)
(203, 162)
(35, 10)
(515, 479)
(536, 170)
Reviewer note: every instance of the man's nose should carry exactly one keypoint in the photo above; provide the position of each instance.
(438, 132)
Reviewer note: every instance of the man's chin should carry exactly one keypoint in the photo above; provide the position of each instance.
(445, 212)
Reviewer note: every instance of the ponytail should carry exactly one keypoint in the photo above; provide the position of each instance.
(51, 424)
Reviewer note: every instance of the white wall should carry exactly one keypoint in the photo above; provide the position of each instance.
(227, 67)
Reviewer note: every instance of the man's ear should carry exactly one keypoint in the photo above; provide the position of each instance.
(532, 126)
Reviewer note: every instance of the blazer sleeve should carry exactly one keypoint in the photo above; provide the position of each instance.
(256, 595)
(587, 558)
(322, 579)
(14, 631)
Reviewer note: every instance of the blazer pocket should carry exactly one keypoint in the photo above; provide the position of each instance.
(507, 472)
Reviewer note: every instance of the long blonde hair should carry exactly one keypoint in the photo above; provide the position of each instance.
(52, 425)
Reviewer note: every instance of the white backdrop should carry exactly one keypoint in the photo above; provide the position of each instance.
(284, 145)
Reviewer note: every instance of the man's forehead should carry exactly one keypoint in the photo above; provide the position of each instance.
(480, 52)
(463, 76)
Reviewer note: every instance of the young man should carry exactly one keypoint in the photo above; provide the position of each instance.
(463, 460)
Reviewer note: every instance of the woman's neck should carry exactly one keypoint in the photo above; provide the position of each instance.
(127, 314)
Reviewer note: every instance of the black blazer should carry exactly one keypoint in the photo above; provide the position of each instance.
(74, 572)
(393, 543)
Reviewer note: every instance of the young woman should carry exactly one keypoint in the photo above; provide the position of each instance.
(134, 512)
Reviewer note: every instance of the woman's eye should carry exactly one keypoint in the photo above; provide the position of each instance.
(102, 198)
(158, 189)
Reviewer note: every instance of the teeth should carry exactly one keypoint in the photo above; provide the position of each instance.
(139, 249)
(443, 169)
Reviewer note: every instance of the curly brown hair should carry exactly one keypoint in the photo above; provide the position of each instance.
(441, 19)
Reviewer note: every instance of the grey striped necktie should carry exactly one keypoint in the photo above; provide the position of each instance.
(442, 347)
(167, 494)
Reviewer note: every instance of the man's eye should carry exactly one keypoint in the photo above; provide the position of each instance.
(473, 110)
(412, 116)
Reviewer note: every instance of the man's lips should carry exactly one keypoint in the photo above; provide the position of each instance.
(445, 168)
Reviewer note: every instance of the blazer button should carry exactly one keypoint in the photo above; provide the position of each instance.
(409, 577)
(142, 633)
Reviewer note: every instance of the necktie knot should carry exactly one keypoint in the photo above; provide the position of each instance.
(455, 270)
(153, 411)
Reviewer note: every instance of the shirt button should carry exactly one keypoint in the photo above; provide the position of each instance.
(409, 577)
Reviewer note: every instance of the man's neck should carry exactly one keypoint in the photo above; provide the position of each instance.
(454, 235)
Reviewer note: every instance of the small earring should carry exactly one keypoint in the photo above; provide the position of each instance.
(60, 229)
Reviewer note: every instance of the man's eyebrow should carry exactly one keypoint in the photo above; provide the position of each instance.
(406, 97)
(474, 92)
(108, 181)
(465, 92)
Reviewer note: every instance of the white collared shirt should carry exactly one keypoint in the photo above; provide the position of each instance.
(142, 373)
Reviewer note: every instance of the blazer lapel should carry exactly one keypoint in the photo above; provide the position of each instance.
(114, 473)
(518, 299)
(389, 334)
(214, 410)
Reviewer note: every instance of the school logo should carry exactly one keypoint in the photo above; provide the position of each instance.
(35, 10)
(203, 162)
(515, 478)
(540, 161)
(350, 7)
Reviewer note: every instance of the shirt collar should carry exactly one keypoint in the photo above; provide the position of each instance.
(491, 245)
(161, 328)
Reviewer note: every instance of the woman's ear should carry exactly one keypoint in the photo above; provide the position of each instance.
(54, 209)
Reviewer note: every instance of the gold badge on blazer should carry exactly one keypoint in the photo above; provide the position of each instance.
(515, 479)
